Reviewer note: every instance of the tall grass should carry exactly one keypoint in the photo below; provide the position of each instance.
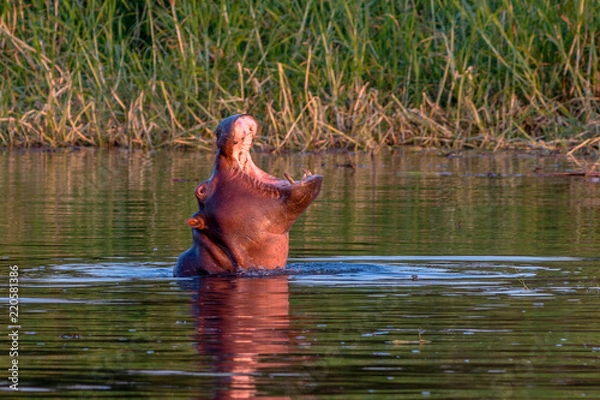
(319, 74)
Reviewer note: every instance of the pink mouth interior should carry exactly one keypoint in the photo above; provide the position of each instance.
(245, 131)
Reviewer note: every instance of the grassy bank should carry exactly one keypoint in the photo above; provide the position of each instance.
(319, 74)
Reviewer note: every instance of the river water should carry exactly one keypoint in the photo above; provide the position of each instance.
(413, 275)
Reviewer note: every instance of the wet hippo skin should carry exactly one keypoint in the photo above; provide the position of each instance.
(244, 214)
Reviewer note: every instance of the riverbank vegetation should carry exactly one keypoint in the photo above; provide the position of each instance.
(318, 74)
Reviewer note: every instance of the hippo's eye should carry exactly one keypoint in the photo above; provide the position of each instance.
(201, 192)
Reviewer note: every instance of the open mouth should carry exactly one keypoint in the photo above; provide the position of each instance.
(245, 130)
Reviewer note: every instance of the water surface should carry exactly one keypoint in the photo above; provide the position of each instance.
(414, 275)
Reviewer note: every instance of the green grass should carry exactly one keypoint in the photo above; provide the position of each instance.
(319, 74)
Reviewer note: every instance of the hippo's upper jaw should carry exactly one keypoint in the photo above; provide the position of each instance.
(244, 214)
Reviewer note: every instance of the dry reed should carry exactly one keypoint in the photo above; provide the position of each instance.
(319, 74)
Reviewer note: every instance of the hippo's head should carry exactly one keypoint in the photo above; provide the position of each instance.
(244, 214)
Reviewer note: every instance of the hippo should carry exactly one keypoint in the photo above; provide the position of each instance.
(244, 214)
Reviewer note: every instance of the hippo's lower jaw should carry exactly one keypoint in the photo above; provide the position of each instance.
(207, 258)
(244, 214)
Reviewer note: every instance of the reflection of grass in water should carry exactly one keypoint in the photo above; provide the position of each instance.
(522, 281)
(421, 341)
(319, 74)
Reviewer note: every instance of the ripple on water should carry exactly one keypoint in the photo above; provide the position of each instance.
(501, 275)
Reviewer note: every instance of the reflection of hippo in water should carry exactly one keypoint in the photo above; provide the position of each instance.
(243, 327)
(244, 214)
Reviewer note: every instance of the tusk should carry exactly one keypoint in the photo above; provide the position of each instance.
(307, 172)
(289, 178)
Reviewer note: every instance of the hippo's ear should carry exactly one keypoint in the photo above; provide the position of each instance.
(196, 222)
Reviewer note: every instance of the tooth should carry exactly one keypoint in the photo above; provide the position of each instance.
(289, 178)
